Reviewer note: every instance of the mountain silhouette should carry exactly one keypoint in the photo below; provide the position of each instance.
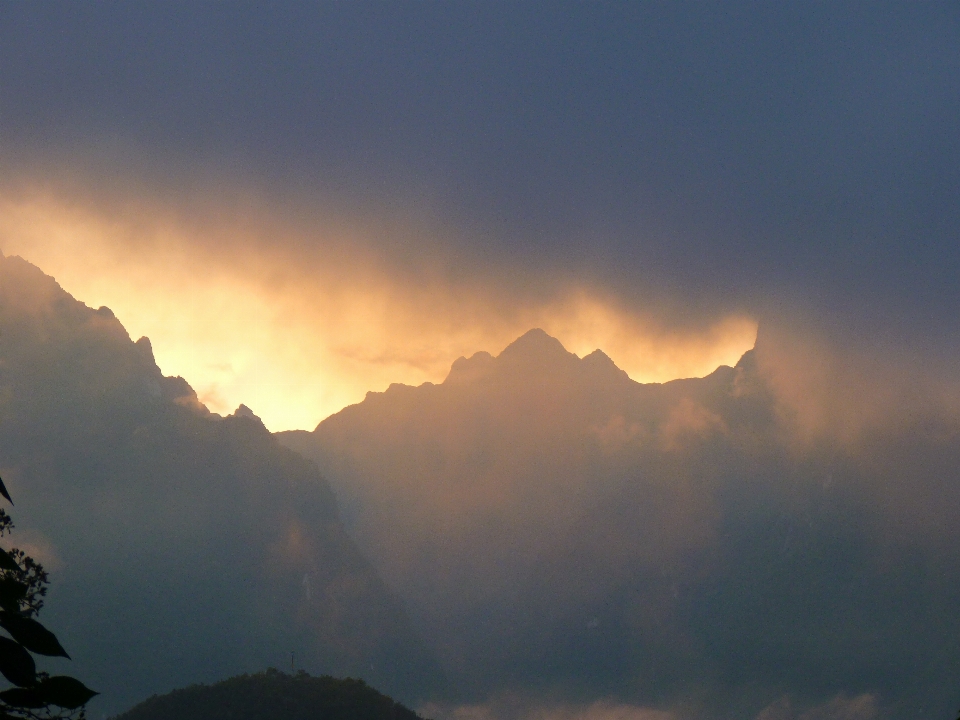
(536, 526)
(182, 546)
(555, 527)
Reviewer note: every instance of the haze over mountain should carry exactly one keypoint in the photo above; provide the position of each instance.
(701, 546)
(776, 540)
(183, 547)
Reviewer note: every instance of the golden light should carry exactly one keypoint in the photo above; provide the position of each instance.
(298, 323)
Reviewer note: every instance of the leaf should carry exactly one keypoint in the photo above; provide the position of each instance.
(7, 562)
(67, 692)
(12, 593)
(23, 698)
(3, 491)
(32, 635)
(16, 665)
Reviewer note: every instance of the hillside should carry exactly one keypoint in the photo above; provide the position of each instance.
(552, 524)
(183, 546)
(527, 507)
(272, 695)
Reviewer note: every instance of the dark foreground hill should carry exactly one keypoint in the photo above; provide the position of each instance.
(273, 695)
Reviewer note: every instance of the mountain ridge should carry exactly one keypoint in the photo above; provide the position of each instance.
(550, 531)
(125, 482)
(555, 526)
(537, 350)
(426, 473)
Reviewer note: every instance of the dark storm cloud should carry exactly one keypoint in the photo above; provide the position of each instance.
(745, 150)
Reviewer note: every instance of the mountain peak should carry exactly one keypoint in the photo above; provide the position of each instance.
(470, 369)
(243, 411)
(599, 362)
(535, 345)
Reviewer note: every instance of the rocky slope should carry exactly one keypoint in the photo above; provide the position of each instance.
(557, 528)
(182, 546)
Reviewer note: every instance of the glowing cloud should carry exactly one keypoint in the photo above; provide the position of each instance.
(299, 316)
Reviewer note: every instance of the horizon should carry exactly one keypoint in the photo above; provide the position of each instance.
(264, 367)
(221, 409)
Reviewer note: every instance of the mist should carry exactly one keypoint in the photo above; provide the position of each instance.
(298, 311)
(705, 547)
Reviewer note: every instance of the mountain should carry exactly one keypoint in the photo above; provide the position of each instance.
(537, 526)
(560, 530)
(272, 695)
(183, 546)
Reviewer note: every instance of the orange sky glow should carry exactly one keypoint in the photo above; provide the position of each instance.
(238, 308)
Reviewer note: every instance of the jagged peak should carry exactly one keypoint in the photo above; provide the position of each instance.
(533, 348)
(601, 362)
(598, 357)
(747, 361)
(535, 344)
(469, 369)
(145, 345)
(243, 411)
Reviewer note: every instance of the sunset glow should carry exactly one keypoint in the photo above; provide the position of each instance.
(515, 361)
(297, 338)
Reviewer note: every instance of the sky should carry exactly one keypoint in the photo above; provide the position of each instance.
(300, 203)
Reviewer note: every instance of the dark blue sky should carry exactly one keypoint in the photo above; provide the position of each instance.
(732, 153)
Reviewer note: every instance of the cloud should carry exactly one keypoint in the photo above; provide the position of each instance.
(689, 420)
(298, 311)
(883, 414)
(724, 164)
(833, 383)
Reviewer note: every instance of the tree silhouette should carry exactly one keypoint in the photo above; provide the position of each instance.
(35, 695)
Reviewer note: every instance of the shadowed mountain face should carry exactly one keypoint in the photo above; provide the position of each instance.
(557, 528)
(182, 546)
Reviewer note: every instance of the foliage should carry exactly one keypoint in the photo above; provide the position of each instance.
(35, 695)
(273, 695)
